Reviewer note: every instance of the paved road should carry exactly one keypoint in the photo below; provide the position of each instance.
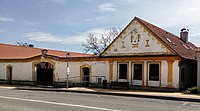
(25, 100)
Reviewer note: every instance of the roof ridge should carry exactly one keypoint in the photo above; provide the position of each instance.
(160, 33)
(167, 32)
(13, 45)
(68, 51)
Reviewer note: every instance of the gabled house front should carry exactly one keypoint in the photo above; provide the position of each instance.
(148, 56)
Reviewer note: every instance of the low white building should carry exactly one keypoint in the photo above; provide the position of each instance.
(143, 55)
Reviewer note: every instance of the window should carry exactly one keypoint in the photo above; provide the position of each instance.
(154, 72)
(123, 71)
(137, 71)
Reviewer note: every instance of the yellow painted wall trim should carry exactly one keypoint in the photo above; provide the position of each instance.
(169, 76)
(110, 71)
(39, 61)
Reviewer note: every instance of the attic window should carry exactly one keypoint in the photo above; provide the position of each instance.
(185, 46)
(173, 43)
(168, 40)
(191, 47)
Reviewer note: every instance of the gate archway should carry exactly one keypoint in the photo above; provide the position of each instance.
(44, 73)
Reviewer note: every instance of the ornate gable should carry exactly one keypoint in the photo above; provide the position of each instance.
(136, 40)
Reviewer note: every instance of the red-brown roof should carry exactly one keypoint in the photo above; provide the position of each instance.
(8, 51)
(183, 49)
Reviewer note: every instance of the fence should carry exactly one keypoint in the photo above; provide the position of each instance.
(96, 81)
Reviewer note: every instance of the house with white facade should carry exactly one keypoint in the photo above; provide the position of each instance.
(143, 55)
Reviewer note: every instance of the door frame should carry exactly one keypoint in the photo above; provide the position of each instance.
(132, 72)
(9, 73)
(34, 73)
(90, 72)
(44, 73)
(160, 74)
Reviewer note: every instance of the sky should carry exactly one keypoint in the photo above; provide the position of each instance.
(63, 24)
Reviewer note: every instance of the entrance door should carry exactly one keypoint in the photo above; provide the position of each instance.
(86, 76)
(9, 74)
(44, 74)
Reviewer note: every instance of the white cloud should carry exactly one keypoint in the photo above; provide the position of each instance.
(47, 37)
(30, 24)
(95, 19)
(98, 31)
(174, 14)
(74, 39)
(68, 21)
(107, 7)
(6, 19)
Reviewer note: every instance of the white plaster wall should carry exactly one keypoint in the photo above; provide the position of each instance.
(115, 71)
(164, 74)
(99, 68)
(137, 82)
(3, 70)
(153, 83)
(175, 74)
(21, 71)
(60, 70)
(123, 45)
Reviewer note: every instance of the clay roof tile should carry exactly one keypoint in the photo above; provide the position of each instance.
(8, 51)
(185, 50)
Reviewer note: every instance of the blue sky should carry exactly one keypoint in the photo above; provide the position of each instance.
(63, 24)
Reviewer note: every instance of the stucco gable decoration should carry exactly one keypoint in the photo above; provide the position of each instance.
(136, 40)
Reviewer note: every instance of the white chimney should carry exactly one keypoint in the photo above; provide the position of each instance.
(184, 35)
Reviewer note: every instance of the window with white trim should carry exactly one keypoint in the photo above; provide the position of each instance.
(123, 70)
(154, 72)
(137, 71)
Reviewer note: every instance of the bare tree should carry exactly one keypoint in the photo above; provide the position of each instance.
(97, 44)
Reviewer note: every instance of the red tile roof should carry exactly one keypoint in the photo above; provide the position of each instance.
(8, 51)
(183, 49)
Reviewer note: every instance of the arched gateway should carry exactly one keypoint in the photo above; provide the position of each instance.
(44, 74)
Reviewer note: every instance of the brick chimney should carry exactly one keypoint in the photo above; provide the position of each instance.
(184, 35)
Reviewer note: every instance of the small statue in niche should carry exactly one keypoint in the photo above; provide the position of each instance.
(135, 38)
